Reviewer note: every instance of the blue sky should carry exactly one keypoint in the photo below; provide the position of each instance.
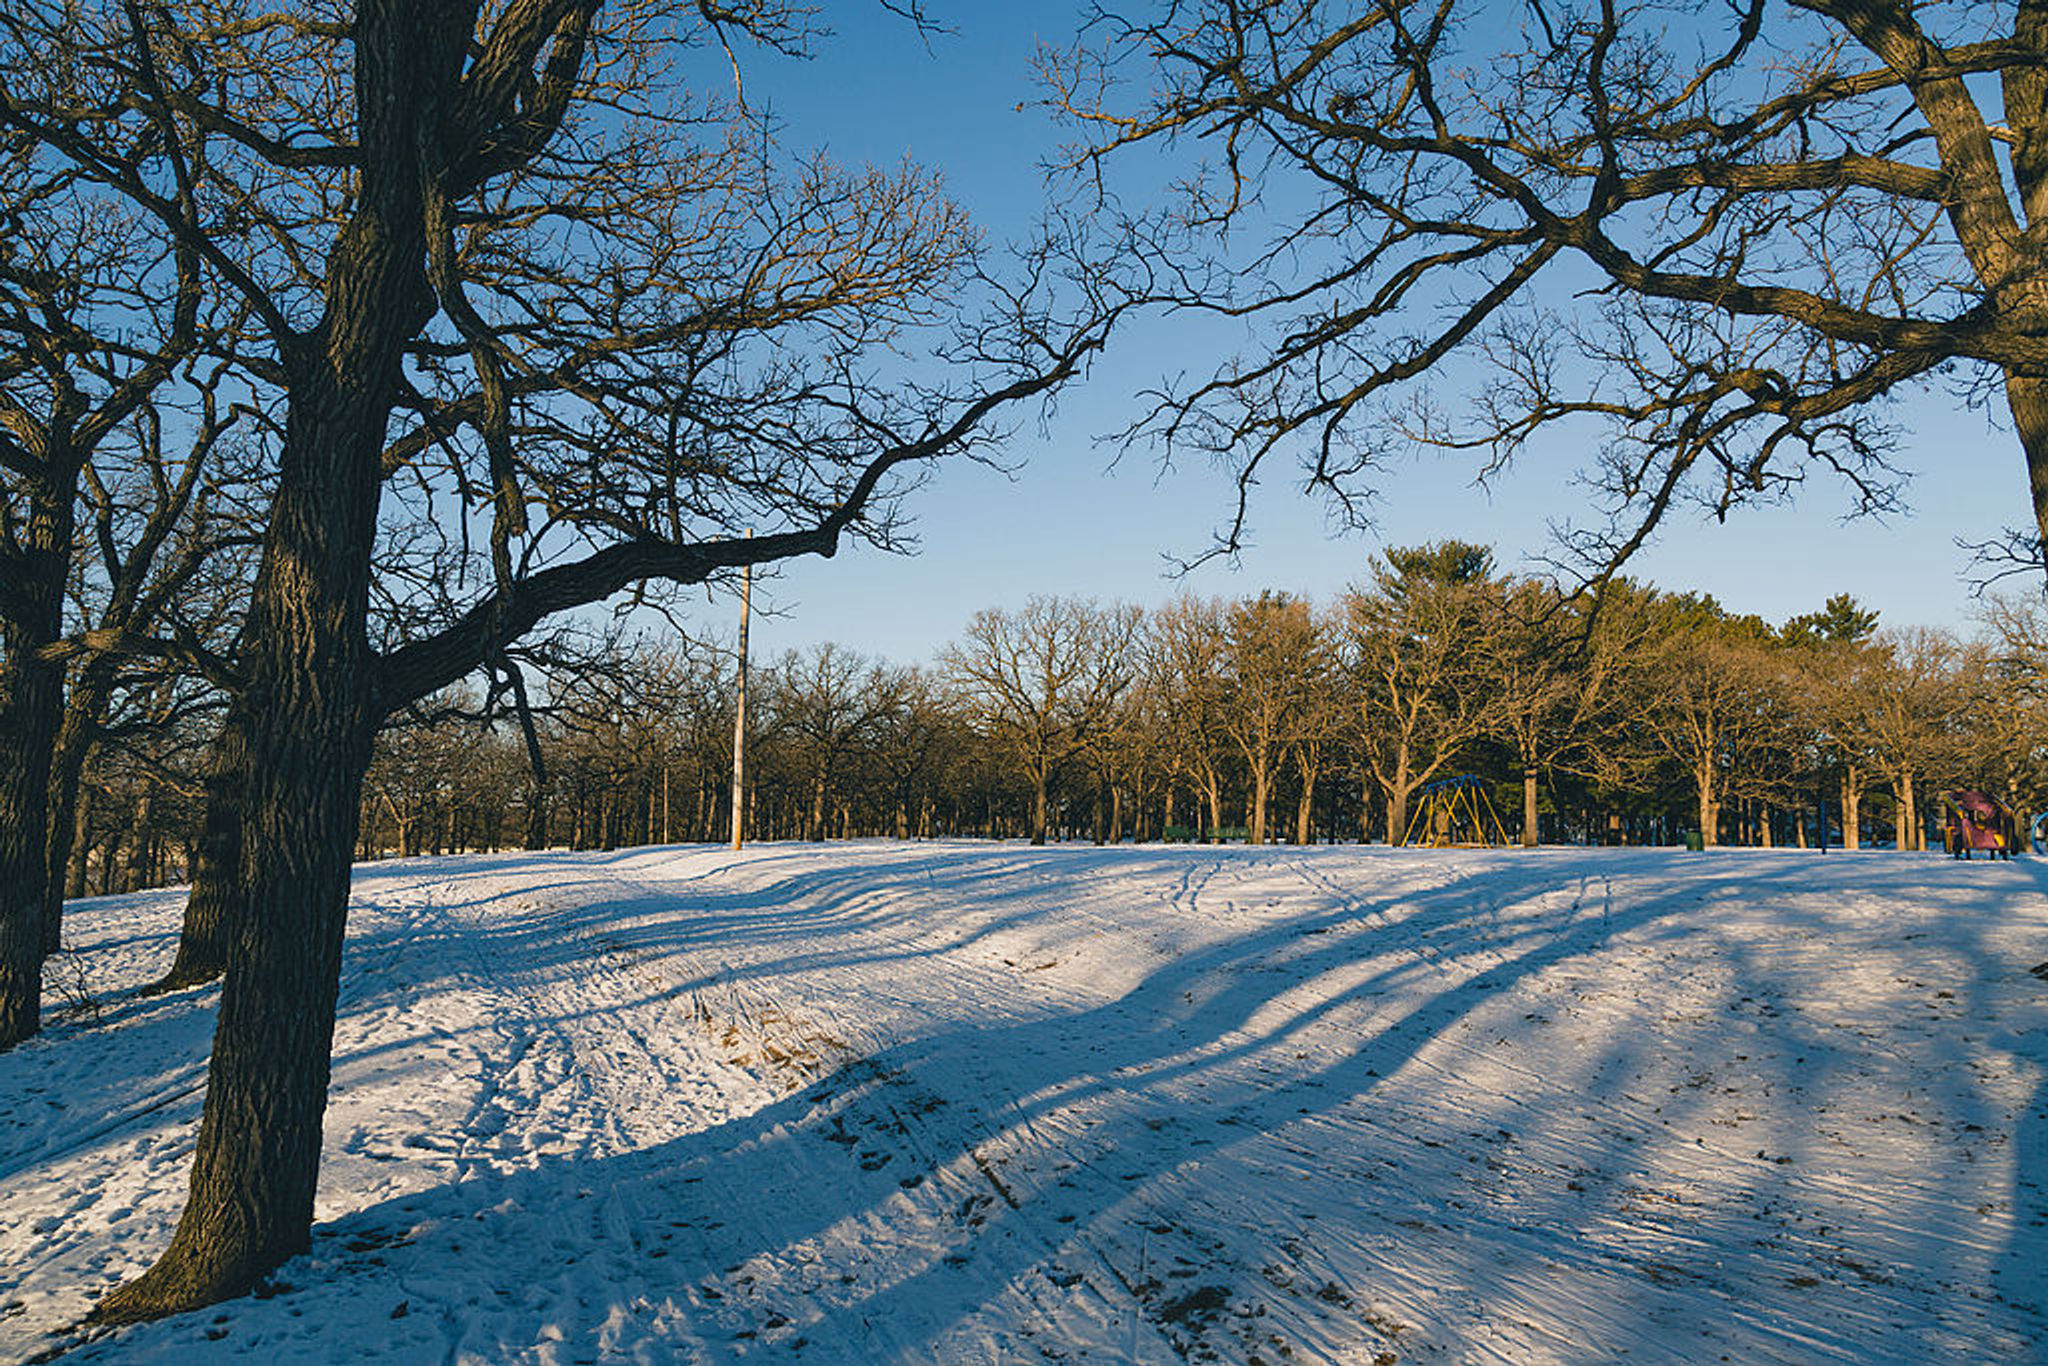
(1075, 519)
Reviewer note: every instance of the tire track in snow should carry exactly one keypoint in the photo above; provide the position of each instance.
(1155, 1104)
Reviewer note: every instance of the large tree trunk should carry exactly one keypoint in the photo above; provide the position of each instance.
(2028, 398)
(1529, 826)
(1305, 809)
(31, 710)
(1397, 800)
(137, 876)
(536, 833)
(814, 828)
(1261, 781)
(216, 897)
(110, 863)
(81, 845)
(1909, 816)
(1852, 810)
(311, 702)
(82, 716)
(30, 703)
(309, 725)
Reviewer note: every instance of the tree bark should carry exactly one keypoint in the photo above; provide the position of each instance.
(1709, 809)
(1397, 798)
(1304, 812)
(2027, 396)
(1529, 827)
(536, 832)
(82, 716)
(1397, 816)
(216, 899)
(312, 698)
(1261, 780)
(137, 876)
(81, 845)
(309, 726)
(30, 700)
(31, 711)
(110, 863)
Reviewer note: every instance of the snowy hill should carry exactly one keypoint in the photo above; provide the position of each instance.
(881, 1102)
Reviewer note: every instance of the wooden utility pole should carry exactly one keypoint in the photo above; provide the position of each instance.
(739, 714)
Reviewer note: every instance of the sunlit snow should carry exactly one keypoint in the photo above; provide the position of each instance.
(985, 1103)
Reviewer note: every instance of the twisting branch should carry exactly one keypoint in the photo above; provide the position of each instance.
(1414, 184)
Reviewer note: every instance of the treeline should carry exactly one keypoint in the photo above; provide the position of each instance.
(1267, 718)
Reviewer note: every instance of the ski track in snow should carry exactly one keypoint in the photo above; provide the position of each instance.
(985, 1103)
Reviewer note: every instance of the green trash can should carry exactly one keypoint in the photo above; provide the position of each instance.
(1695, 841)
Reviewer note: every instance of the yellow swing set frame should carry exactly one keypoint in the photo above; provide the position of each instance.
(1455, 813)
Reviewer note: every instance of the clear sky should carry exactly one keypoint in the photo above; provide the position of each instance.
(1076, 520)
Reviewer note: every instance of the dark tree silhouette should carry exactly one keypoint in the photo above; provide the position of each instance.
(102, 314)
(511, 257)
(1726, 234)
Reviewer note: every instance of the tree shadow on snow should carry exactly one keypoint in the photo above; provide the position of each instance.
(1192, 1168)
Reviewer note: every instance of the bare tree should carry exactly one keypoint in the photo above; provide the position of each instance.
(518, 262)
(1727, 234)
(159, 592)
(99, 307)
(913, 737)
(1828, 657)
(823, 707)
(1321, 721)
(1416, 646)
(2009, 737)
(1135, 754)
(1274, 661)
(1043, 680)
(413, 780)
(1550, 668)
(1696, 690)
(1183, 650)
(1906, 707)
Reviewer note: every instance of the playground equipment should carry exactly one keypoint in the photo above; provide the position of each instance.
(1975, 821)
(1455, 813)
(2037, 833)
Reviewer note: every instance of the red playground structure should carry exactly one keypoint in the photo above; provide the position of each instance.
(1975, 822)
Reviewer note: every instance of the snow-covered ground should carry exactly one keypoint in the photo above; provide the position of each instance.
(962, 1102)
